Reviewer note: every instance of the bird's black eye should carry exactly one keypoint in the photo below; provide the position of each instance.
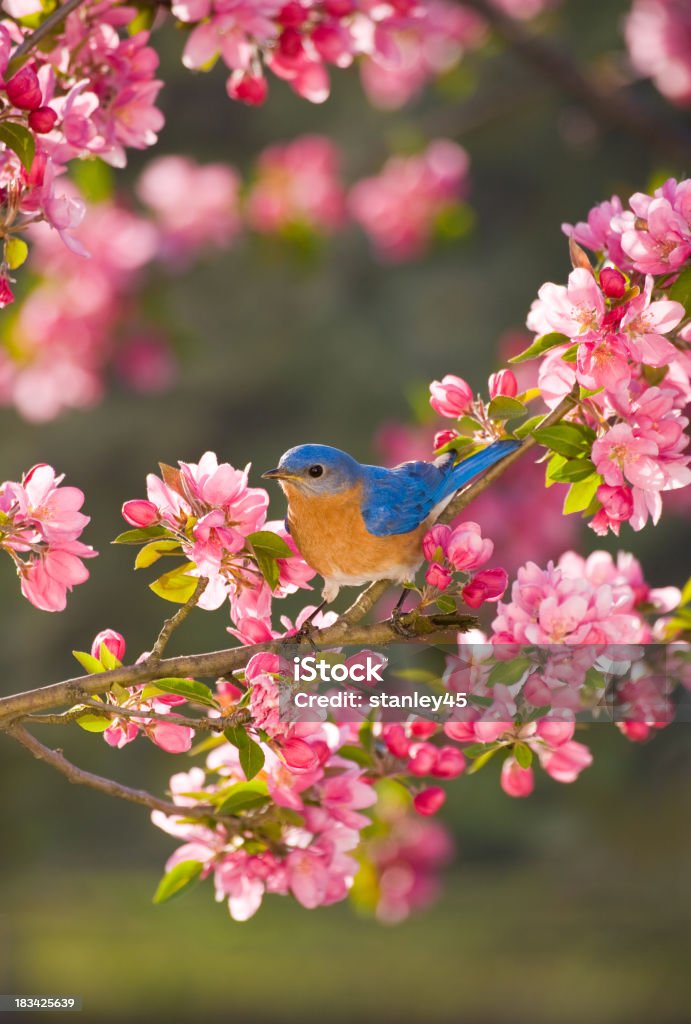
(315, 471)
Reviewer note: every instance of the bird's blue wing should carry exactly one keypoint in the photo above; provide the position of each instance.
(397, 500)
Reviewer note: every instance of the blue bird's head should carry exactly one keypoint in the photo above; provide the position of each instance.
(316, 469)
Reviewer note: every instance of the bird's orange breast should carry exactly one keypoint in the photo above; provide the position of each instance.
(331, 536)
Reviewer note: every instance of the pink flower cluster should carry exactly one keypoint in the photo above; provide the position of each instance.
(402, 207)
(624, 341)
(296, 185)
(81, 316)
(302, 842)
(463, 549)
(211, 511)
(40, 524)
(92, 93)
(658, 35)
(134, 702)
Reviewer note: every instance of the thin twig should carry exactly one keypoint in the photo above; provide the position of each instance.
(56, 759)
(112, 711)
(612, 109)
(24, 49)
(171, 624)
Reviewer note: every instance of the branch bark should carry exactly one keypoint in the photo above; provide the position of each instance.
(23, 51)
(56, 759)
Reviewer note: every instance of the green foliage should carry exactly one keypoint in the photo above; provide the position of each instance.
(572, 440)
(504, 408)
(540, 345)
(193, 691)
(142, 535)
(508, 672)
(251, 754)
(176, 586)
(88, 662)
(243, 796)
(20, 140)
(179, 879)
(151, 553)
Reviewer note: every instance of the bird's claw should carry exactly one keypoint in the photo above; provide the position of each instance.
(400, 627)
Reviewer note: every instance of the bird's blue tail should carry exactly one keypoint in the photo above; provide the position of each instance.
(475, 464)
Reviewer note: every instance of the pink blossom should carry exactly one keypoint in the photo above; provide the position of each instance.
(400, 208)
(658, 34)
(174, 739)
(577, 309)
(621, 457)
(487, 585)
(428, 801)
(503, 383)
(435, 542)
(114, 641)
(140, 513)
(617, 508)
(297, 185)
(516, 781)
(467, 550)
(438, 576)
(451, 396)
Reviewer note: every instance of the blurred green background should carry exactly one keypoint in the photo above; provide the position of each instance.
(571, 906)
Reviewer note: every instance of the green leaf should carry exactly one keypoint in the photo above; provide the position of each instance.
(446, 604)
(270, 543)
(108, 659)
(193, 691)
(251, 754)
(569, 439)
(176, 585)
(508, 672)
(20, 140)
(268, 567)
(571, 354)
(142, 21)
(354, 753)
(523, 755)
(527, 427)
(555, 464)
(93, 723)
(540, 345)
(178, 880)
(16, 251)
(504, 408)
(655, 375)
(581, 494)
(151, 553)
(571, 471)
(456, 444)
(141, 536)
(680, 291)
(88, 662)
(468, 425)
(481, 760)
(244, 796)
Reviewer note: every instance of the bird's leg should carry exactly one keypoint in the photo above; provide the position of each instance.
(397, 615)
(306, 629)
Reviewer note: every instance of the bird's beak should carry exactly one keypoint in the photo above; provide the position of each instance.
(275, 474)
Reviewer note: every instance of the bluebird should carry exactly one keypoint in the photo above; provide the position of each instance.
(355, 524)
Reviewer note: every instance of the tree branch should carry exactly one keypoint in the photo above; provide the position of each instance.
(612, 110)
(56, 759)
(24, 49)
(218, 663)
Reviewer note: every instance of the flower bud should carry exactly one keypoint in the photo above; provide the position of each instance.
(435, 542)
(488, 585)
(115, 643)
(174, 739)
(503, 383)
(428, 801)
(450, 763)
(443, 437)
(23, 89)
(42, 120)
(612, 282)
(451, 396)
(516, 781)
(250, 89)
(438, 576)
(298, 755)
(422, 759)
(140, 513)
(6, 294)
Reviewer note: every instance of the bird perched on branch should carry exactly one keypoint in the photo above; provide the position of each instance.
(355, 524)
